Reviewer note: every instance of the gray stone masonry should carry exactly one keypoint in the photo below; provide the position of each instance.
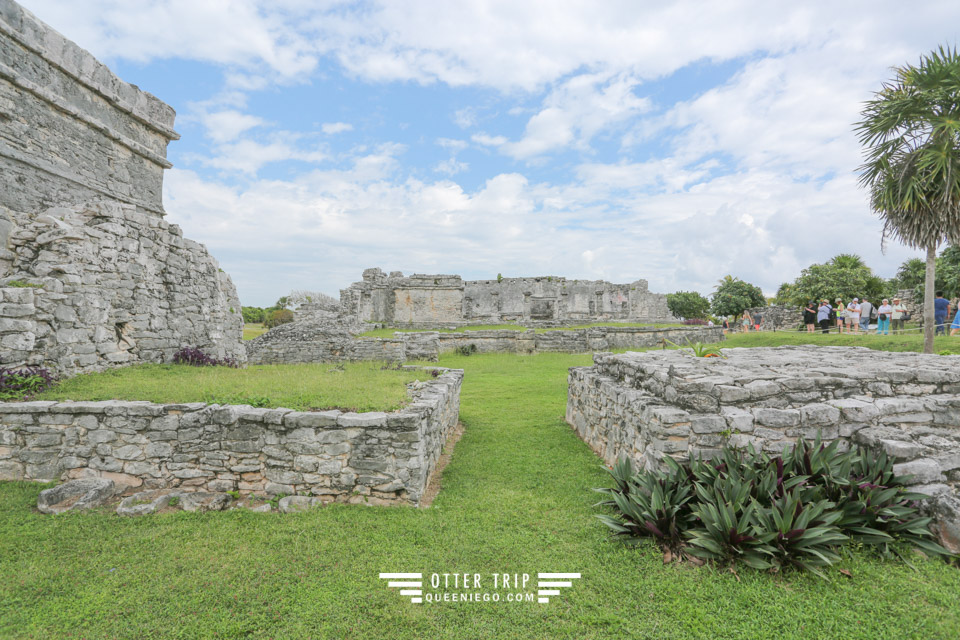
(646, 406)
(113, 286)
(374, 458)
(82, 156)
(428, 301)
(776, 318)
(70, 130)
(309, 342)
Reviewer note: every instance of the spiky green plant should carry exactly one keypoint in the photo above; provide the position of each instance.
(651, 504)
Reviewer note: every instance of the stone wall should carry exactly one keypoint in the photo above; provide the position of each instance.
(298, 342)
(777, 317)
(446, 300)
(82, 155)
(70, 130)
(650, 405)
(346, 457)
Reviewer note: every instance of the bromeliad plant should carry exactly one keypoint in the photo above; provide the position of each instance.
(700, 349)
(22, 383)
(793, 510)
(197, 358)
(651, 504)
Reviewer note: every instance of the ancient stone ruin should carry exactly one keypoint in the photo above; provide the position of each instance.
(333, 456)
(311, 341)
(435, 300)
(647, 406)
(91, 275)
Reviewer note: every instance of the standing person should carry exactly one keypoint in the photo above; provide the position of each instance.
(956, 321)
(810, 316)
(841, 314)
(897, 316)
(941, 309)
(757, 319)
(745, 320)
(823, 315)
(853, 316)
(884, 313)
(866, 310)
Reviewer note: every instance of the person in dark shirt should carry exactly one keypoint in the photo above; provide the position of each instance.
(810, 316)
(941, 309)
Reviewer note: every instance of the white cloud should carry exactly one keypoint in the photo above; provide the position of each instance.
(226, 126)
(243, 33)
(453, 145)
(331, 128)
(465, 118)
(451, 167)
(488, 140)
(341, 221)
(576, 111)
(249, 156)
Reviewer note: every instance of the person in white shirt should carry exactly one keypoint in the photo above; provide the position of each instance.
(896, 316)
(853, 316)
(884, 311)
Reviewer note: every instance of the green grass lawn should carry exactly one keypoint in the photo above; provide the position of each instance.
(902, 342)
(516, 498)
(388, 333)
(252, 330)
(355, 386)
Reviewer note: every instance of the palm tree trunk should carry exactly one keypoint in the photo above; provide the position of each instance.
(929, 284)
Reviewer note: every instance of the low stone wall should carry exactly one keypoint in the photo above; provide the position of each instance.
(777, 318)
(303, 345)
(646, 406)
(305, 342)
(346, 457)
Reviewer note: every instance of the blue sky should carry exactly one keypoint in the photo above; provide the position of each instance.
(676, 142)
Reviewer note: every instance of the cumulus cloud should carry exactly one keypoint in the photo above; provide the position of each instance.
(451, 167)
(331, 128)
(226, 126)
(489, 141)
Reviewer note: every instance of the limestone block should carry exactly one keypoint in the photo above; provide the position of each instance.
(946, 510)
(924, 471)
(777, 418)
(75, 495)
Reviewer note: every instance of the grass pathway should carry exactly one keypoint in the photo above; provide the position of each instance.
(515, 498)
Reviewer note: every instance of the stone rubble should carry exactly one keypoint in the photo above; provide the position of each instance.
(76, 495)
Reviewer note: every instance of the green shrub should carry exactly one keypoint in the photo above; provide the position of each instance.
(253, 315)
(466, 349)
(770, 513)
(688, 304)
(278, 317)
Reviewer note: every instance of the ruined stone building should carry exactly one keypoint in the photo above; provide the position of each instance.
(91, 275)
(432, 300)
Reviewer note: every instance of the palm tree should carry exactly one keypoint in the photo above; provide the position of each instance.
(910, 132)
(848, 261)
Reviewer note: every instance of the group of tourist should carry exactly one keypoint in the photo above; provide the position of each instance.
(855, 316)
